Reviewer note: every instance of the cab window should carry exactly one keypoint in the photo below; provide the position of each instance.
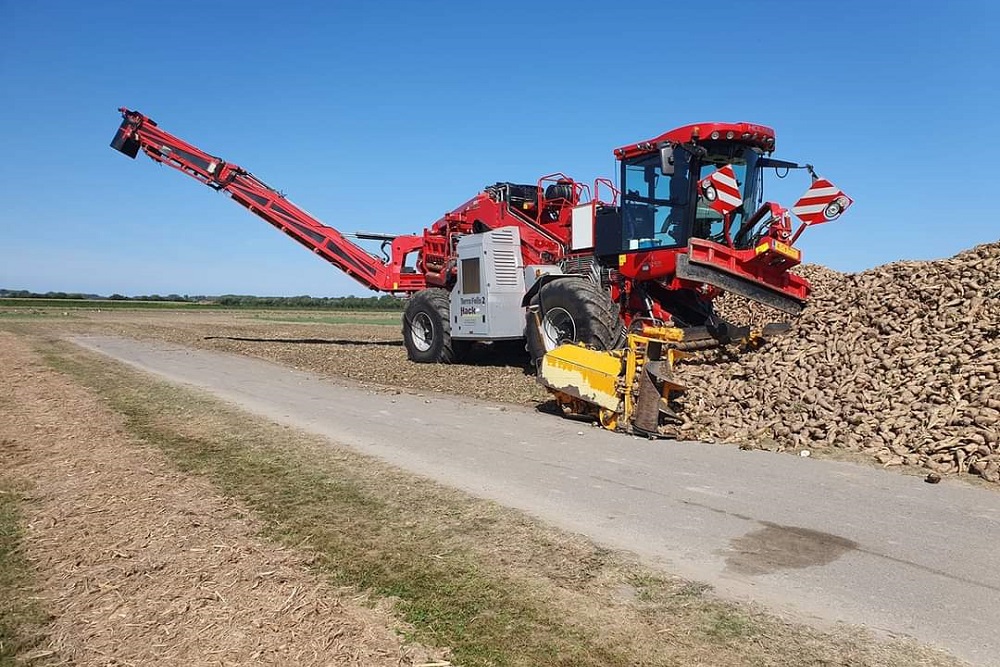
(654, 205)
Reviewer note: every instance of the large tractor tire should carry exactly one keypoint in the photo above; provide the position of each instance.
(571, 310)
(427, 329)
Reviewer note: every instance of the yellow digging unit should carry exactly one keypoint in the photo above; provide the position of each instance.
(629, 390)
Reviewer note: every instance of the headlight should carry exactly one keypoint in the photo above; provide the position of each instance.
(833, 209)
(709, 192)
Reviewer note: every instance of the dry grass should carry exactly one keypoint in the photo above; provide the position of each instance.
(496, 587)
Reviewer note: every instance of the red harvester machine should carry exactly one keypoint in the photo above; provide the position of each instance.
(561, 261)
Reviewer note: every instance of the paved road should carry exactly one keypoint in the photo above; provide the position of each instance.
(813, 539)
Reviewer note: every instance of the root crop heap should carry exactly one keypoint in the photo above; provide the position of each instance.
(901, 362)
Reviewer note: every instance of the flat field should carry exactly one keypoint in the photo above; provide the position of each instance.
(363, 346)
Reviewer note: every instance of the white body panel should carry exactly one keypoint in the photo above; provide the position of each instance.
(582, 227)
(486, 302)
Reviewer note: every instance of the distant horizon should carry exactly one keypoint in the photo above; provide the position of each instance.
(6, 293)
(375, 295)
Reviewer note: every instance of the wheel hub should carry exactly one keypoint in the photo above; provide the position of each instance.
(422, 331)
(558, 327)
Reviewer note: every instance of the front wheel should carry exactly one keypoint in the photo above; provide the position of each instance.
(426, 328)
(571, 310)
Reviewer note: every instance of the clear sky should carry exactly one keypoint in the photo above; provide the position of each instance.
(383, 115)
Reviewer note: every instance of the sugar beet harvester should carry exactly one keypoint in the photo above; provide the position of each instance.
(605, 285)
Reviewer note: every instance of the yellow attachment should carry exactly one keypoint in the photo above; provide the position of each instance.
(667, 334)
(588, 375)
(607, 385)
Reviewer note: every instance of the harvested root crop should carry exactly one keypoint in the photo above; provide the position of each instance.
(901, 362)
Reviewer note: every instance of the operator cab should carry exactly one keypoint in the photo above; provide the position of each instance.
(662, 205)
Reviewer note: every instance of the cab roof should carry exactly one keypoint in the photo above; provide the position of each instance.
(761, 136)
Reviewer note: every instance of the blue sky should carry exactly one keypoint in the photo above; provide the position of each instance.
(382, 115)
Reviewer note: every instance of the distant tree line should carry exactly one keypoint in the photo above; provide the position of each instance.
(25, 294)
(383, 302)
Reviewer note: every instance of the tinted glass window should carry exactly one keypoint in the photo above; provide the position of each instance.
(470, 276)
(708, 223)
(654, 205)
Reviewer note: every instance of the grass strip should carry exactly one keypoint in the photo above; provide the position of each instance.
(21, 618)
(30, 313)
(105, 304)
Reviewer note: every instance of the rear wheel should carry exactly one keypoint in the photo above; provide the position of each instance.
(571, 310)
(426, 328)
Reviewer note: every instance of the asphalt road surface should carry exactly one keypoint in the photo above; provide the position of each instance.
(813, 540)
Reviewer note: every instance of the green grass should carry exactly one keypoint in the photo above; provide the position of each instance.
(103, 304)
(130, 304)
(21, 619)
(727, 626)
(36, 308)
(375, 318)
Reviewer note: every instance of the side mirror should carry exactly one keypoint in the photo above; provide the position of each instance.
(667, 161)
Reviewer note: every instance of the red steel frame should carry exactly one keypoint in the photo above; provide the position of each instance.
(543, 240)
(545, 231)
(273, 207)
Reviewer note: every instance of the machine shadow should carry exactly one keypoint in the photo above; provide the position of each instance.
(309, 341)
(490, 355)
(481, 354)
